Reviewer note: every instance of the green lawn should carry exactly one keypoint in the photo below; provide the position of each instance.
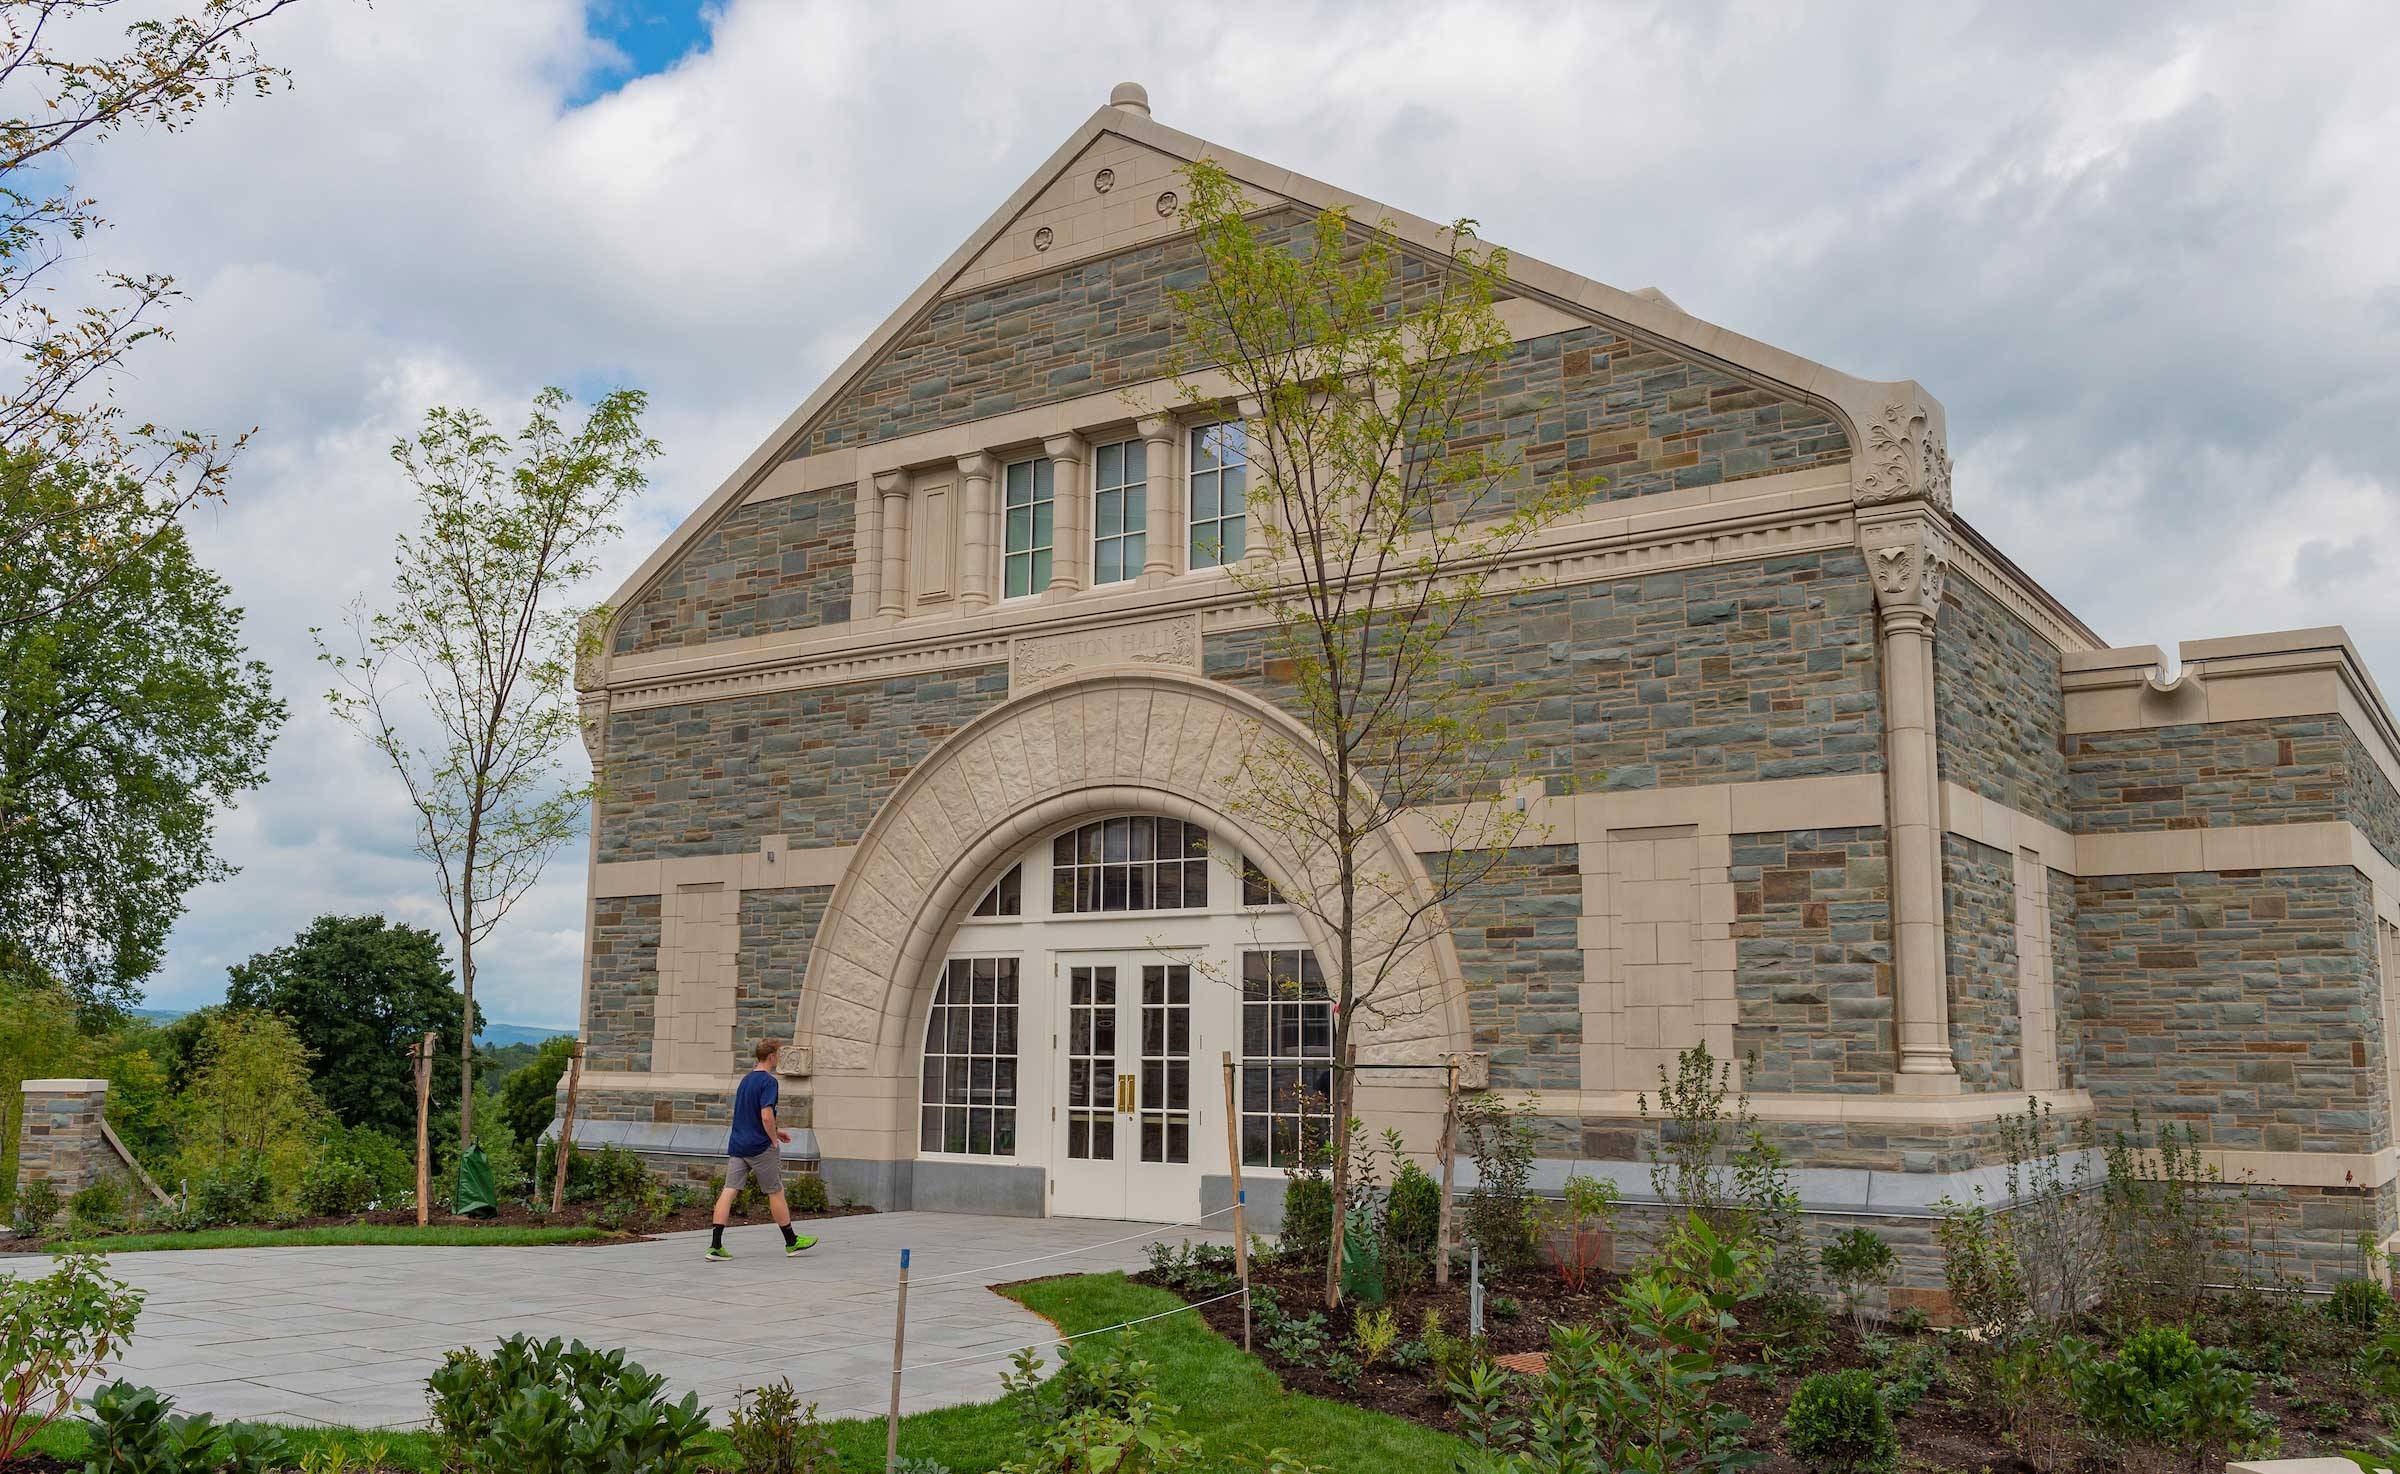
(436, 1235)
(1229, 1401)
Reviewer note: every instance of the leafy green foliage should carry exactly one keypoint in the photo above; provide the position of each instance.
(2164, 1391)
(544, 1408)
(247, 1105)
(1987, 1287)
(529, 1096)
(1498, 1215)
(1857, 1262)
(335, 1187)
(36, 1208)
(773, 1432)
(1307, 1234)
(477, 633)
(234, 1191)
(135, 1430)
(1837, 1423)
(359, 992)
(2030, 1390)
(805, 1193)
(1194, 1271)
(129, 716)
(1373, 1332)
(1102, 1412)
(2359, 1305)
(55, 1332)
(1412, 1222)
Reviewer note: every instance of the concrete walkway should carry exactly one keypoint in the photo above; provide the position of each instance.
(347, 1335)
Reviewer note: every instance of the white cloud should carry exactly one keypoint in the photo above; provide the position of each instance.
(2140, 253)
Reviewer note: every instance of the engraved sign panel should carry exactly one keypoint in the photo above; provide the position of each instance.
(1157, 644)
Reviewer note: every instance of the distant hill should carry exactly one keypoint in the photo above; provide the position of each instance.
(492, 1033)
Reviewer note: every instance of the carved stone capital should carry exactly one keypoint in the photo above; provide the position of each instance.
(1155, 428)
(1906, 457)
(591, 715)
(1907, 558)
(1067, 448)
(977, 465)
(891, 485)
(591, 649)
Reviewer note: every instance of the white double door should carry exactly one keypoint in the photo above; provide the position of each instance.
(1139, 1105)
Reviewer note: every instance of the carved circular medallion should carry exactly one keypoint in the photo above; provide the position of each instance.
(1167, 203)
(1042, 238)
(1105, 180)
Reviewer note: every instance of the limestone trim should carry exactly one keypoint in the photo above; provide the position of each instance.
(1760, 806)
(771, 866)
(2287, 673)
(1095, 743)
(661, 1080)
(1787, 513)
(1974, 558)
(1854, 1110)
(1912, 417)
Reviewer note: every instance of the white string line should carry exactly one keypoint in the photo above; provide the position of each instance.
(1151, 1233)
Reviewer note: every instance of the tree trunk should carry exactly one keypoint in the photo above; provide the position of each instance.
(1341, 1107)
(466, 1043)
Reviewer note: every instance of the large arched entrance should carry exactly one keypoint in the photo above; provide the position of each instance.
(1079, 800)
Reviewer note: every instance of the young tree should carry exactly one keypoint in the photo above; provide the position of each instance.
(360, 992)
(129, 715)
(136, 476)
(247, 1099)
(1379, 515)
(479, 637)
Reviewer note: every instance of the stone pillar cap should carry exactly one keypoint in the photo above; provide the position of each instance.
(64, 1087)
(1131, 96)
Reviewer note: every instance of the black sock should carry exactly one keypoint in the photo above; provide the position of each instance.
(789, 1238)
(716, 1235)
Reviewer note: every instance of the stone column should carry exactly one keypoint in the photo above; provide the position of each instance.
(1166, 538)
(891, 492)
(976, 535)
(1070, 515)
(866, 564)
(59, 1140)
(1907, 552)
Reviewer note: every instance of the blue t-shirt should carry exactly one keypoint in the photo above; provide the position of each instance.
(756, 1092)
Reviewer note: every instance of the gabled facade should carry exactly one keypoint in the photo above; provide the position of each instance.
(915, 739)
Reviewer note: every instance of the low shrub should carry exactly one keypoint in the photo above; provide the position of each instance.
(537, 1405)
(1586, 1214)
(2164, 1393)
(235, 1191)
(1412, 1221)
(336, 1187)
(101, 1205)
(806, 1193)
(55, 1332)
(1373, 1332)
(1838, 1423)
(37, 1207)
(135, 1430)
(1192, 1270)
(1857, 1263)
(1307, 1219)
(773, 1432)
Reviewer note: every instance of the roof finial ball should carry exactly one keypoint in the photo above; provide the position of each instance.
(1131, 96)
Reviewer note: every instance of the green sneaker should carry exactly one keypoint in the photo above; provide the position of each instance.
(719, 1251)
(798, 1246)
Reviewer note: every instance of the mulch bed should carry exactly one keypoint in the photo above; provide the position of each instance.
(1946, 1430)
(512, 1215)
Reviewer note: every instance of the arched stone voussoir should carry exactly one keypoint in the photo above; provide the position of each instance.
(1106, 742)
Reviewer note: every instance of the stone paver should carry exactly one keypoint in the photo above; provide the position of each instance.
(347, 1335)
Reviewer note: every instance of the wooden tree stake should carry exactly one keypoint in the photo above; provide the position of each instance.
(1441, 1237)
(424, 1106)
(566, 1127)
(1241, 1221)
(891, 1423)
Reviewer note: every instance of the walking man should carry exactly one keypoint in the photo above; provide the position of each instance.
(752, 1153)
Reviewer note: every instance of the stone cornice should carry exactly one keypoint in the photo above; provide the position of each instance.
(1792, 512)
(1973, 558)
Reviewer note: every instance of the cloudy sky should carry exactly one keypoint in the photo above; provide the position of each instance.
(2143, 254)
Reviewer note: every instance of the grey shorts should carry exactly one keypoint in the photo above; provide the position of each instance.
(765, 1169)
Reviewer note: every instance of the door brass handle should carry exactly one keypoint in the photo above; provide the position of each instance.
(1125, 1095)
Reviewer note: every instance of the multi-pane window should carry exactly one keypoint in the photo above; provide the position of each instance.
(1220, 471)
(1092, 1085)
(1257, 890)
(1287, 1058)
(1166, 1099)
(1007, 895)
(1120, 511)
(969, 1101)
(1140, 863)
(1025, 549)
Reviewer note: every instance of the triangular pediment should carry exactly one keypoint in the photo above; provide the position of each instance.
(1115, 194)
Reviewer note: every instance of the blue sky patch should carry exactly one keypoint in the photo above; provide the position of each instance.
(652, 35)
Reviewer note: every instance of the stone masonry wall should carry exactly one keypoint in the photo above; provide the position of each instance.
(59, 1140)
(1592, 403)
(1517, 946)
(1998, 713)
(2281, 771)
(778, 927)
(714, 777)
(783, 564)
(2066, 979)
(2370, 800)
(1813, 961)
(2241, 1002)
(624, 990)
(1979, 920)
(1723, 674)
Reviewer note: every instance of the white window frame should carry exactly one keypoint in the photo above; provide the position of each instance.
(1133, 516)
(1041, 556)
(1193, 472)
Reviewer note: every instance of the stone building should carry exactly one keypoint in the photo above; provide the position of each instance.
(915, 736)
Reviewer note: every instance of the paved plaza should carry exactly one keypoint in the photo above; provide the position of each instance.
(347, 1335)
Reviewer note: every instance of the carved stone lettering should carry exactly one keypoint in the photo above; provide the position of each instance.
(1154, 644)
